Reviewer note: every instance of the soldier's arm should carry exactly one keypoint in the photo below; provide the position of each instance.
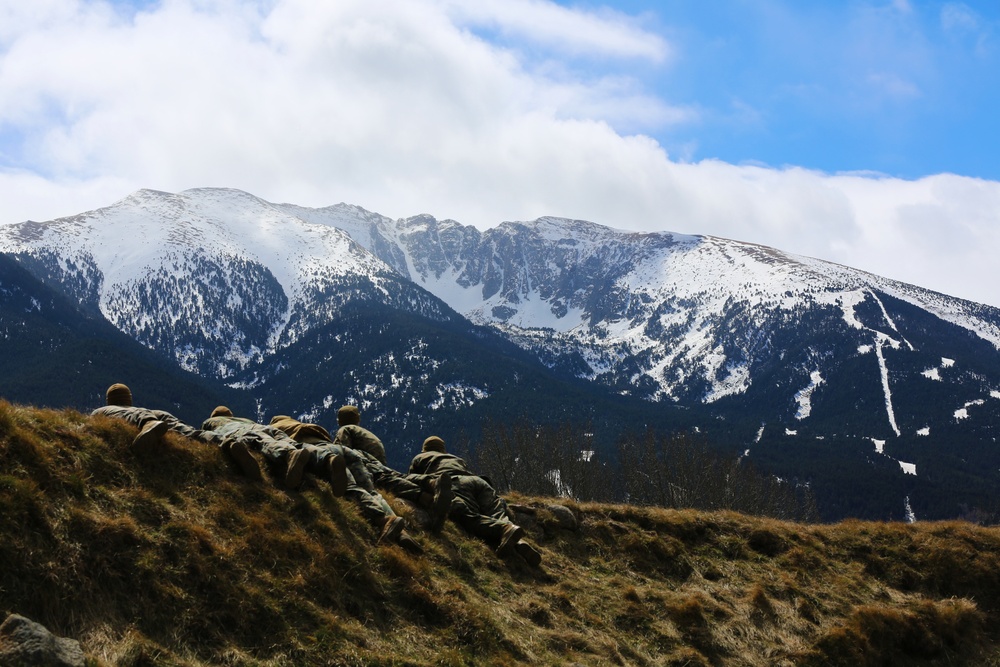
(417, 465)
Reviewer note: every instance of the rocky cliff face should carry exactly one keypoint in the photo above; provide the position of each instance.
(689, 319)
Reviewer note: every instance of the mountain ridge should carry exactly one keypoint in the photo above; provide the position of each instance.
(762, 351)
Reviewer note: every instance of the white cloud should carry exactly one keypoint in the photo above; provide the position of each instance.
(577, 32)
(398, 107)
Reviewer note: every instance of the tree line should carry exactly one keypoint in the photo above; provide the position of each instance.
(676, 470)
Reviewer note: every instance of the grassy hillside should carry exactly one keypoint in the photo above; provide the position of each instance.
(174, 559)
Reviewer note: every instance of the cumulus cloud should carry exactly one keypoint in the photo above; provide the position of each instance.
(407, 107)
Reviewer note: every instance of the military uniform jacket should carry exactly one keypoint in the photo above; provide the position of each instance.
(362, 439)
(238, 426)
(300, 431)
(436, 463)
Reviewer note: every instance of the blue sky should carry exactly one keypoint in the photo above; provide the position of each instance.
(861, 132)
(907, 89)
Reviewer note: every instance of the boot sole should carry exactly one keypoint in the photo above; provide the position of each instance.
(509, 540)
(338, 475)
(238, 452)
(297, 462)
(443, 496)
(391, 533)
(150, 436)
(530, 555)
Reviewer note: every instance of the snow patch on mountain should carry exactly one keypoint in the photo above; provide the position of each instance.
(884, 371)
(457, 395)
(803, 396)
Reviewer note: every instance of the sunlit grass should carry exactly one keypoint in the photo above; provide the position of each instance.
(174, 559)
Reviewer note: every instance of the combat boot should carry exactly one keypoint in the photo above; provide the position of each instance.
(443, 495)
(297, 462)
(530, 554)
(391, 530)
(150, 436)
(407, 542)
(511, 536)
(239, 453)
(336, 472)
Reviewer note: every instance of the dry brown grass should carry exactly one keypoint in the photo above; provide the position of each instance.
(175, 559)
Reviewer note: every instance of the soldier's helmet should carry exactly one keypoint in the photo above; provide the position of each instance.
(433, 444)
(348, 414)
(222, 411)
(119, 394)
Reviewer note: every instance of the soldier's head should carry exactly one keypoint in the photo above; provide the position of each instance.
(222, 411)
(348, 414)
(119, 394)
(433, 444)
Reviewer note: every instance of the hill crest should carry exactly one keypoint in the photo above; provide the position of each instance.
(175, 559)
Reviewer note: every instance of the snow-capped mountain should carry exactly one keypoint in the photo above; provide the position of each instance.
(218, 279)
(766, 350)
(676, 318)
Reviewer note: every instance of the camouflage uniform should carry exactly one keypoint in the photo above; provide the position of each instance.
(357, 437)
(139, 417)
(119, 405)
(374, 473)
(273, 443)
(360, 486)
(153, 424)
(476, 506)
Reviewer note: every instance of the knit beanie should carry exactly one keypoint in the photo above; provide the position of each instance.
(348, 414)
(119, 394)
(433, 444)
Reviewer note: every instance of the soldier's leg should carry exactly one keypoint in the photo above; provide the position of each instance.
(511, 539)
(490, 503)
(276, 452)
(238, 452)
(150, 436)
(466, 511)
(398, 485)
(176, 425)
(280, 452)
(136, 416)
(373, 506)
(329, 462)
(435, 495)
(151, 430)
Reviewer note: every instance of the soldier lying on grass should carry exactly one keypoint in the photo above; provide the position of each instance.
(477, 507)
(153, 424)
